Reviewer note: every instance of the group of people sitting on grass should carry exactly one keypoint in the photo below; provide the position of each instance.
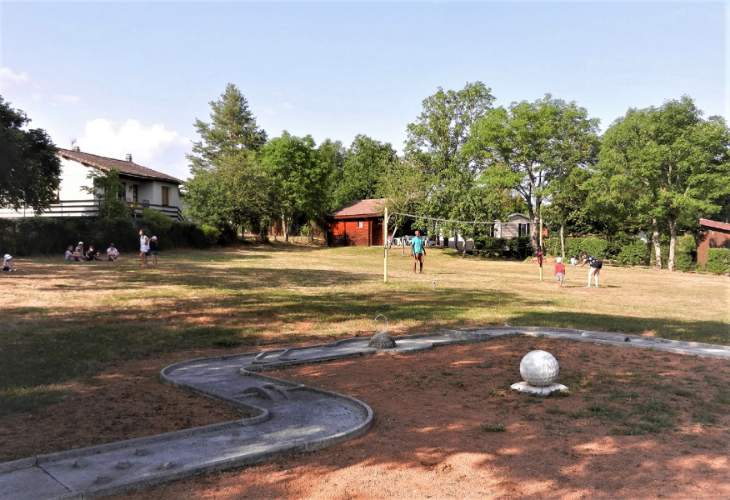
(79, 253)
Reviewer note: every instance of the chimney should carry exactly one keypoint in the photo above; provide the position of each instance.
(76, 148)
(129, 157)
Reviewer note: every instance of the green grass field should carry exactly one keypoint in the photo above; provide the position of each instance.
(62, 322)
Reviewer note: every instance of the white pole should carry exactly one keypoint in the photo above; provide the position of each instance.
(385, 246)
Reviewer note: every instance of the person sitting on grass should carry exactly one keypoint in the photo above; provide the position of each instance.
(112, 253)
(559, 270)
(92, 254)
(8, 263)
(69, 254)
(418, 250)
(78, 254)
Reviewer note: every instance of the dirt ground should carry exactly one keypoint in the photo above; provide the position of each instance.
(123, 402)
(637, 424)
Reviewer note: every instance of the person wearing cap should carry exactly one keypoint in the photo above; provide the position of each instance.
(8, 264)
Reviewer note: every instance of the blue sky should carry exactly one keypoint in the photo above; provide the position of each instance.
(132, 77)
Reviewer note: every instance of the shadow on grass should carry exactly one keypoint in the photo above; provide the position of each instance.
(713, 332)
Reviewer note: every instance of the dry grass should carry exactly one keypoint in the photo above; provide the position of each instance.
(63, 322)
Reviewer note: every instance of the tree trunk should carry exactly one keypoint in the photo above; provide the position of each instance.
(285, 228)
(533, 227)
(655, 244)
(562, 241)
(672, 243)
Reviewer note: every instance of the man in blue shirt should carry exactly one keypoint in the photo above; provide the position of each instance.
(418, 249)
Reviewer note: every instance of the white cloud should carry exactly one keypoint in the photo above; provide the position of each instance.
(10, 77)
(154, 146)
(66, 99)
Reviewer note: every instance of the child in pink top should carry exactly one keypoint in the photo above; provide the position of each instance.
(559, 270)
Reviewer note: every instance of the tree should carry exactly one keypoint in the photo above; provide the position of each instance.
(678, 163)
(366, 161)
(229, 186)
(436, 143)
(29, 168)
(111, 191)
(298, 176)
(232, 128)
(331, 156)
(538, 143)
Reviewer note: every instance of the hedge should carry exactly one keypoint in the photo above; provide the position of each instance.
(635, 253)
(686, 249)
(592, 245)
(46, 235)
(517, 248)
(718, 260)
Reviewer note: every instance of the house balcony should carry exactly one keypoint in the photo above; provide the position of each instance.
(87, 208)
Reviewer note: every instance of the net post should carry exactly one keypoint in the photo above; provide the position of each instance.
(385, 245)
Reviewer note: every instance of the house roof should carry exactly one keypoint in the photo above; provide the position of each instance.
(363, 208)
(128, 168)
(714, 224)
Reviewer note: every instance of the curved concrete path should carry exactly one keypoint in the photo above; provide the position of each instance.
(291, 417)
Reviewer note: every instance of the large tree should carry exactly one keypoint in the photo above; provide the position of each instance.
(366, 161)
(29, 168)
(672, 164)
(232, 128)
(534, 144)
(299, 178)
(436, 140)
(228, 185)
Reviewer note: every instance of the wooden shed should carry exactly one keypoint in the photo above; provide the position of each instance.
(714, 234)
(359, 224)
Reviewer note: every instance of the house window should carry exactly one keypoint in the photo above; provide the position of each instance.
(523, 229)
(123, 192)
(360, 224)
(165, 196)
(135, 193)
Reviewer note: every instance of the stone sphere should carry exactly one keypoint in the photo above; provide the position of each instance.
(539, 368)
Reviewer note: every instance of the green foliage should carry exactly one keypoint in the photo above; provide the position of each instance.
(364, 165)
(29, 167)
(212, 233)
(110, 192)
(686, 249)
(155, 221)
(46, 235)
(635, 253)
(541, 143)
(718, 260)
(515, 248)
(574, 247)
(663, 167)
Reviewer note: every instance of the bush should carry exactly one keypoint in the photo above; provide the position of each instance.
(635, 253)
(211, 233)
(718, 260)
(593, 245)
(156, 222)
(46, 235)
(685, 252)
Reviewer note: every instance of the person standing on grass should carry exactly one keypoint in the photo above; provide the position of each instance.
(559, 270)
(144, 248)
(154, 248)
(594, 269)
(418, 250)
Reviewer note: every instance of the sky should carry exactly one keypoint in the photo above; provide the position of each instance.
(132, 77)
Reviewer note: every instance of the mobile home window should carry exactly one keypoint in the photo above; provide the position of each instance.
(360, 224)
(523, 229)
(165, 196)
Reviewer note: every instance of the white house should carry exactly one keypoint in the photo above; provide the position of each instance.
(143, 187)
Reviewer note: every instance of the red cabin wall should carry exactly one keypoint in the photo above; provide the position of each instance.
(711, 239)
(369, 234)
